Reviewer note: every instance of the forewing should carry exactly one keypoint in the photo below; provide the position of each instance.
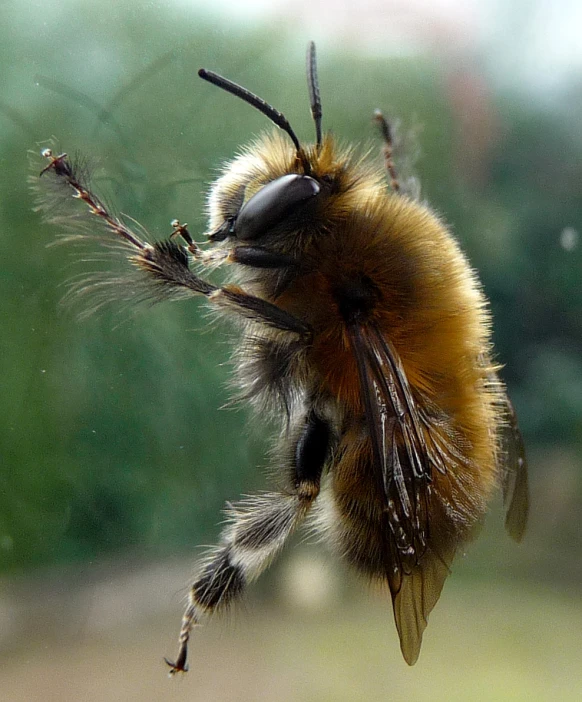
(398, 444)
(415, 600)
(407, 450)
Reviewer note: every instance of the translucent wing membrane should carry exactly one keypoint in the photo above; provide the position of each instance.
(416, 599)
(514, 477)
(409, 445)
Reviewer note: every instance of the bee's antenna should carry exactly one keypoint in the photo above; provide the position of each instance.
(313, 86)
(268, 110)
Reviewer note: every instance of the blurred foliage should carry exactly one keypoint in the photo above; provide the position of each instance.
(111, 435)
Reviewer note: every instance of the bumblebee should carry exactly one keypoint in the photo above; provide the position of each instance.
(366, 332)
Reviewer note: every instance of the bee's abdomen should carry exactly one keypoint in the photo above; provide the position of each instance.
(353, 513)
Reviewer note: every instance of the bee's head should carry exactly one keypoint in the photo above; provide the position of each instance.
(257, 195)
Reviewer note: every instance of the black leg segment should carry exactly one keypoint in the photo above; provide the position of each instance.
(312, 450)
(257, 257)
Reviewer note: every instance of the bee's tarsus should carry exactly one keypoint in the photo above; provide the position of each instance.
(179, 229)
(179, 666)
(57, 163)
(62, 167)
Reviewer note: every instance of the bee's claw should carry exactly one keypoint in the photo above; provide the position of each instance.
(177, 667)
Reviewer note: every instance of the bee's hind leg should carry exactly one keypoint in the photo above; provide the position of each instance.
(387, 149)
(257, 529)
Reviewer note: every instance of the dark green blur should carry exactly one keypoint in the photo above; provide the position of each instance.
(112, 436)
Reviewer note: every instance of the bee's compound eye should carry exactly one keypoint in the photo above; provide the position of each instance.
(272, 204)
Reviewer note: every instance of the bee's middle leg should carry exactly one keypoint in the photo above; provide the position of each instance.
(257, 529)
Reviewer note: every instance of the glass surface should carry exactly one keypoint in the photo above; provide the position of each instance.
(116, 452)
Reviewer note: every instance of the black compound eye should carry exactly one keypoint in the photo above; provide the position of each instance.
(272, 204)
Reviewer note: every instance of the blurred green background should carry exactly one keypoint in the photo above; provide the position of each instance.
(116, 457)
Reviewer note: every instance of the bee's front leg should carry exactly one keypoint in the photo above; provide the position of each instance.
(165, 264)
(257, 529)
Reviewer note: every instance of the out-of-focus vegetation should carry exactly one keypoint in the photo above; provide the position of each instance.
(111, 434)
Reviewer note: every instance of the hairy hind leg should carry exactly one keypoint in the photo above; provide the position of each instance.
(257, 529)
(387, 149)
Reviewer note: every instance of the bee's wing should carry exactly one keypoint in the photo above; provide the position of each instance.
(420, 591)
(398, 443)
(514, 476)
(406, 449)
